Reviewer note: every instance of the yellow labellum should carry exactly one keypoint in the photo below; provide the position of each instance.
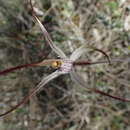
(56, 64)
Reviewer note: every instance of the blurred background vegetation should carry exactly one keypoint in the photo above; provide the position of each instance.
(64, 105)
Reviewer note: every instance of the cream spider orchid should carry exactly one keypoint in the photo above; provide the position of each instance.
(63, 66)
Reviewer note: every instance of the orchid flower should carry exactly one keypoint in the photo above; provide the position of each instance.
(64, 65)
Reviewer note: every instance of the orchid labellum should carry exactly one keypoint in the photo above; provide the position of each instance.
(64, 65)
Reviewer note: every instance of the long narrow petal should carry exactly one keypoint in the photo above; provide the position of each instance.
(17, 67)
(104, 53)
(85, 62)
(34, 91)
(56, 49)
(43, 63)
(76, 78)
(48, 78)
(77, 53)
(101, 51)
(106, 94)
(80, 51)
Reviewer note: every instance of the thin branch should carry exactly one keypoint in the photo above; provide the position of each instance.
(76, 78)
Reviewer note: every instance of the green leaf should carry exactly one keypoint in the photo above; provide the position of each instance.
(128, 47)
(112, 5)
